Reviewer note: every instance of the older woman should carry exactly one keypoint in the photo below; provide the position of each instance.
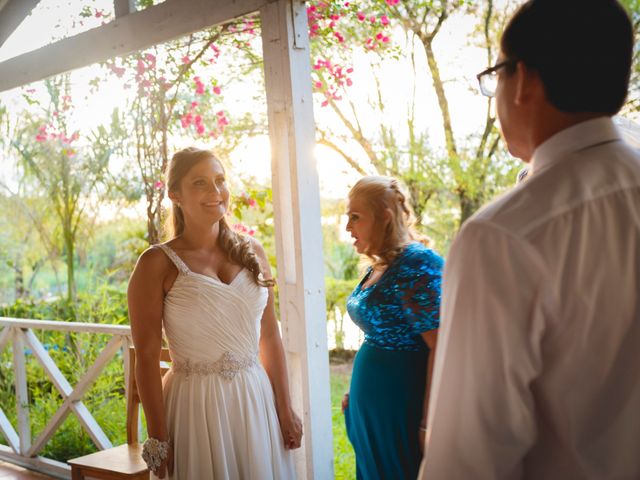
(396, 305)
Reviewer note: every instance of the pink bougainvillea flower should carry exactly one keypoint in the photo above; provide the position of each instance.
(140, 67)
(186, 120)
(186, 59)
(200, 129)
(361, 16)
(159, 185)
(393, 2)
(151, 59)
(384, 20)
(199, 86)
(385, 39)
(318, 84)
(217, 90)
(251, 232)
(240, 228)
(220, 113)
(252, 202)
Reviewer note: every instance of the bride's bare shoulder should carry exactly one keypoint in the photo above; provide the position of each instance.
(154, 261)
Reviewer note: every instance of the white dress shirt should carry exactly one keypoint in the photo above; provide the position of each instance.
(537, 370)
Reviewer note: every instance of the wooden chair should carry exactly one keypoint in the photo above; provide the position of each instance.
(124, 461)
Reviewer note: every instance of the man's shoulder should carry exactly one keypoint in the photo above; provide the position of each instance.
(574, 180)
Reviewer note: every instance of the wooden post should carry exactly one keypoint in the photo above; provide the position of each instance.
(22, 396)
(296, 198)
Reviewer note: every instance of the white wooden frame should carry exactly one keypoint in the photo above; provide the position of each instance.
(295, 183)
(296, 200)
(21, 449)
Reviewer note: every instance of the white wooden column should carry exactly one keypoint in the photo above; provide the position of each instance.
(22, 395)
(296, 198)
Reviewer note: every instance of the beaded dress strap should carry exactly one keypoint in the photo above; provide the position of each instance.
(173, 256)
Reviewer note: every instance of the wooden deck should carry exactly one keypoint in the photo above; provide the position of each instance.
(13, 472)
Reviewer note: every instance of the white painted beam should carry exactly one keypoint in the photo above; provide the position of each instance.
(22, 395)
(71, 397)
(12, 14)
(9, 433)
(65, 326)
(39, 464)
(5, 335)
(296, 199)
(136, 31)
(123, 7)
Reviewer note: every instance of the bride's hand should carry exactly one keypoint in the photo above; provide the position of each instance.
(166, 466)
(291, 427)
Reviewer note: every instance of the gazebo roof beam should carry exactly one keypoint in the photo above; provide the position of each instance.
(12, 13)
(129, 33)
(123, 7)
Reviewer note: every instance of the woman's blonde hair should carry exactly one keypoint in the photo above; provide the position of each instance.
(384, 194)
(238, 248)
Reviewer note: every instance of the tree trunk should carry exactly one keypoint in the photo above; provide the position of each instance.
(19, 278)
(468, 206)
(70, 250)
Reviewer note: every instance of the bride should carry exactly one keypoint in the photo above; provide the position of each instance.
(223, 411)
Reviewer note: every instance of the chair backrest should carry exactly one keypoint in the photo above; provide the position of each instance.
(133, 398)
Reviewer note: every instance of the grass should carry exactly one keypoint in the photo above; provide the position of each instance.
(344, 458)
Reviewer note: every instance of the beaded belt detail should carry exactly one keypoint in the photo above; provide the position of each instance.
(227, 366)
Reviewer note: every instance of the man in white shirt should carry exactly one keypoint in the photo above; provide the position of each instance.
(537, 373)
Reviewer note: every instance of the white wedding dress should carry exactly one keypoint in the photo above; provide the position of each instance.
(219, 403)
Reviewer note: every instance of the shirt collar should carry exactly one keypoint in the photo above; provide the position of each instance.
(577, 137)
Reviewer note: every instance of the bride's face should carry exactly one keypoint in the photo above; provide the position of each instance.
(203, 195)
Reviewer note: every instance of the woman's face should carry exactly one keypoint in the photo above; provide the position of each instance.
(203, 195)
(360, 223)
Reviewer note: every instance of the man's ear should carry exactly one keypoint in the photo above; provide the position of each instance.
(528, 84)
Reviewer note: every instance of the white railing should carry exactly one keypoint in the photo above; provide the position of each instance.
(23, 449)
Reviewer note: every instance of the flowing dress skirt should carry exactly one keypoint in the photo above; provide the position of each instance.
(384, 413)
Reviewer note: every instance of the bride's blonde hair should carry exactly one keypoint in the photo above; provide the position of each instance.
(381, 194)
(237, 247)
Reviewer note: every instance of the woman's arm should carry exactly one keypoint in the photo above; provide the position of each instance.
(145, 296)
(431, 339)
(273, 359)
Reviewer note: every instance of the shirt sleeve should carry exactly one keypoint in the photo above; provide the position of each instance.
(419, 286)
(481, 416)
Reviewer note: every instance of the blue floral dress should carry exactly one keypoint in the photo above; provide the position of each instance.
(390, 370)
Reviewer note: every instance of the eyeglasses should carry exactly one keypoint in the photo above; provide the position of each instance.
(488, 79)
